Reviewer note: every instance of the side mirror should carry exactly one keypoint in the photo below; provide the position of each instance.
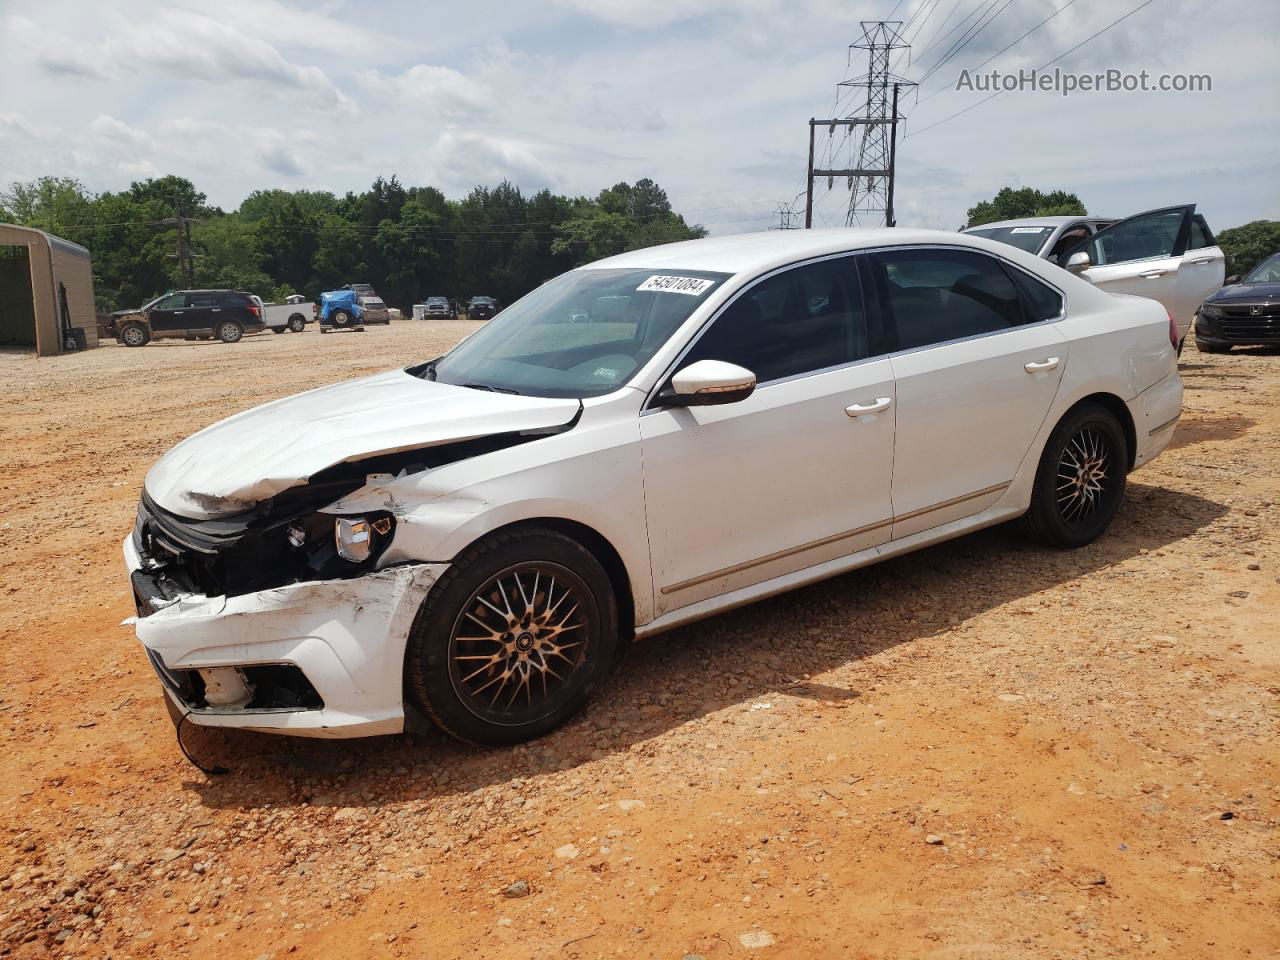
(1234, 278)
(708, 382)
(1078, 261)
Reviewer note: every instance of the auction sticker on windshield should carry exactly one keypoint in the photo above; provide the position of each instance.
(693, 286)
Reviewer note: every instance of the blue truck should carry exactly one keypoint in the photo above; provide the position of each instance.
(340, 310)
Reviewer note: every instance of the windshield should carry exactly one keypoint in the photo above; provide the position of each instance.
(582, 334)
(1268, 271)
(1030, 239)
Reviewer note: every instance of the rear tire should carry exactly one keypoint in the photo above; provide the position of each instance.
(513, 639)
(135, 335)
(1211, 347)
(297, 323)
(340, 318)
(1080, 480)
(228, 331)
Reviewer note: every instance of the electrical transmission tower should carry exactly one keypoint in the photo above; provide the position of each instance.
(786, 215)
(875, 114)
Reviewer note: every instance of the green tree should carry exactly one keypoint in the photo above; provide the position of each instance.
(1248, 245)
(58, 205)
(1013, 203)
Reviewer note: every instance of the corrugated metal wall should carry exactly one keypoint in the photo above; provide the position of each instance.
(73, 268)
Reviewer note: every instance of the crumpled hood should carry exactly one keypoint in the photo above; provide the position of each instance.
(227, 468)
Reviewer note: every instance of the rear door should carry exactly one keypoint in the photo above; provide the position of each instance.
(203, 310)
(1142, 255)
(977, 365)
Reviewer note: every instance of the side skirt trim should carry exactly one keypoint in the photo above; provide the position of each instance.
(826, 541)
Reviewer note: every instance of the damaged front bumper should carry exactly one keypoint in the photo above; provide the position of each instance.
(322, 658)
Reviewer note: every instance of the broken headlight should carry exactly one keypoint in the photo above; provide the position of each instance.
(354, 537)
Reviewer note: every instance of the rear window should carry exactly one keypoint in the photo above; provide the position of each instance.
(1030, 238)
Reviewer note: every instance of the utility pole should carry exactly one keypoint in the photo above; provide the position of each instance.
(184, 256)
(870, 176)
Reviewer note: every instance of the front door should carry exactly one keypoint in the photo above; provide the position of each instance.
(1146, 255)
(977, 365)
(168, 316)
(797, 474)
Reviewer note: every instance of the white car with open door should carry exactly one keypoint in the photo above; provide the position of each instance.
(1169, 255)
(475, 537)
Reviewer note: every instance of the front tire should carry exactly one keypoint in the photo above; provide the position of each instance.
(512, 640)
(1205, 347)
(1080, 480)
(135, 335)
(229, 331)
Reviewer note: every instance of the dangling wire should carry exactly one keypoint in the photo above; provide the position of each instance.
(214, 771)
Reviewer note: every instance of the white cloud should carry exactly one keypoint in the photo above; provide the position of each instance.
(441, 90)
(108, 129)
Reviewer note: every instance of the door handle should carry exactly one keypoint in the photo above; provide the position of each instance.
(1152, 274)
(865, 409)
(1043, 365)
(178, 313)
(1201, 261)
(216, 310)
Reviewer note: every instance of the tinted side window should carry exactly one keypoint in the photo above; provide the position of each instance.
(804, 319)
(1040, 301)
(1201, 237)
(202, 300)
(1142, 238)
(938, 295)
(174, 301)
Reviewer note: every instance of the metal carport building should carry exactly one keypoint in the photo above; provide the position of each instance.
(46, 290)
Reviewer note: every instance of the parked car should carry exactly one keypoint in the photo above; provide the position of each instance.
(1045, 237)
(1169, 255)
(375, 311)
(340, 310)
(482, 308)
(291, 316)
(474, 538)
(437, 307)
(1244, 312)
(282, 317)
(225, 315)
(361, 289)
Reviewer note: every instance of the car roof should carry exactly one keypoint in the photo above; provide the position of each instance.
(757, 252)
(1034, 222)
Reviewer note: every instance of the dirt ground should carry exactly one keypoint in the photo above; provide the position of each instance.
(984, 750)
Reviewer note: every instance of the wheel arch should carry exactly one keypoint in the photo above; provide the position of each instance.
(1120, 410)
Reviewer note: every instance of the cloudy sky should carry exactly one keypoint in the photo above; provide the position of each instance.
(708, 97)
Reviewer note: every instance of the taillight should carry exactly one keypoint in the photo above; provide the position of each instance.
(253, 308)
(1173, 331)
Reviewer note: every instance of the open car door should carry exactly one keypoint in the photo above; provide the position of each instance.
(1154, 254)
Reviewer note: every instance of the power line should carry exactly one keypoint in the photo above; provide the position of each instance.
(1060, 56)
(1005, 49)
(964, 41)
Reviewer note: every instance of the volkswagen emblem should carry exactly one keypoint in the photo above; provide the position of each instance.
(1255, 311)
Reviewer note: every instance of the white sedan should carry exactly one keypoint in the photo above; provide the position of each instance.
(637, 444)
